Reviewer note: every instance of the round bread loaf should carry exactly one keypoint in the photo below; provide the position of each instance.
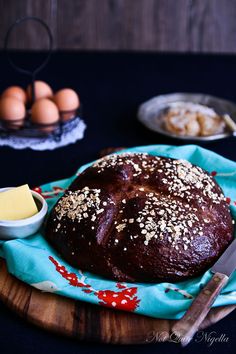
(137, 217)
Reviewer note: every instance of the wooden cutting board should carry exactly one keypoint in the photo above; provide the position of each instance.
(85, 321)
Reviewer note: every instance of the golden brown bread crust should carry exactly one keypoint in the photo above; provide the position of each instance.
(137, 217)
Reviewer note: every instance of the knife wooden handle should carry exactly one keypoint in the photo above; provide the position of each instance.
(188, 325)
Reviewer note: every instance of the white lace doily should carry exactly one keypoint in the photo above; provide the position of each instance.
(70, 134)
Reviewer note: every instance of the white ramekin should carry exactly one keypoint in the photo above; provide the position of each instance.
(10, 229)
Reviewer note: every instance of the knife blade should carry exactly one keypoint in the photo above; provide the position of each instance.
(226, 264)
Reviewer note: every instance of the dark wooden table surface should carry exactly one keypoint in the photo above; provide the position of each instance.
(160, 25)
(111, 86)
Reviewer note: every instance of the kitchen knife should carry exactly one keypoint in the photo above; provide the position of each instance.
(188, 325)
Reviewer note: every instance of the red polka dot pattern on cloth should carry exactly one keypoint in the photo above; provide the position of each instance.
(123, 299)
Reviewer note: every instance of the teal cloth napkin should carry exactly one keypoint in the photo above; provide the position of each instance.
(35, 262)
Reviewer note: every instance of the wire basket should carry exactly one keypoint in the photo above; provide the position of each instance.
(25, 127)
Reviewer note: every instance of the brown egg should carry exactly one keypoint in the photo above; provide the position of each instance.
(44, 111)
(67, 102)
(16, 92)
(42, 90)
(12, 111)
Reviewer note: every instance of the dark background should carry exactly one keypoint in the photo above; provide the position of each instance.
(153, 25)
(111, 86)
